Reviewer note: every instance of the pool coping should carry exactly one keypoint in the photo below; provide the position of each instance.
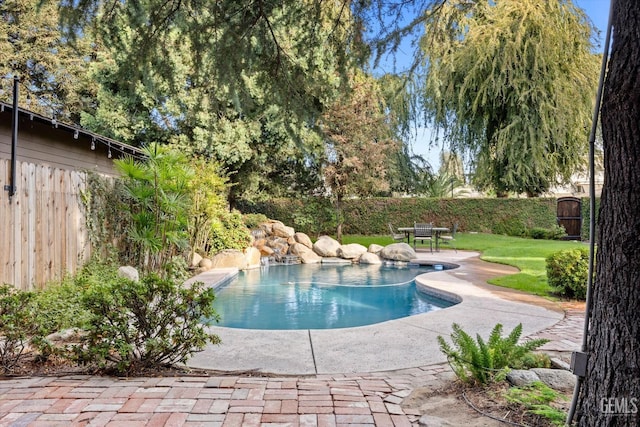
(395, 344)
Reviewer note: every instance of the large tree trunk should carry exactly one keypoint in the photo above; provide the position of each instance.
(611, 392)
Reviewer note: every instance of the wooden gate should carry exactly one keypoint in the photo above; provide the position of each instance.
(569, 215)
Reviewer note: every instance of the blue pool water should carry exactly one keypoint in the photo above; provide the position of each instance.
(320, 296)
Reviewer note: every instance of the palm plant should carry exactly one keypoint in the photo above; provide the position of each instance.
(156, 206)
(444, 185)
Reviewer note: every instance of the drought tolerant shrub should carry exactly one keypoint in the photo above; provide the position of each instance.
(567, 272)
(146, 324)
(17, 325)
(485, 362)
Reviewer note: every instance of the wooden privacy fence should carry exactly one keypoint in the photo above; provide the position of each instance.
(42, 229)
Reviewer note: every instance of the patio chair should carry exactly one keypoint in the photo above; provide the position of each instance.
(399, 237)
(423, 232)
(450, 239)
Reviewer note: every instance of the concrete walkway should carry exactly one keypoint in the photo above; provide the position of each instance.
(339, 394)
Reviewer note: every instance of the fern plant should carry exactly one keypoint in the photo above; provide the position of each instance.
(486, 361)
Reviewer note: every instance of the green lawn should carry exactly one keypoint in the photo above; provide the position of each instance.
(528, 255)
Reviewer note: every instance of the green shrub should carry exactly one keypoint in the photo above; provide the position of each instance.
(485, 362)
(554, 233)
(253, 221)
(229, 232)
(536, 399)
(59, 305)
(533, 360)
(509, 227)
(315, 216)
(17, 325)
(567, 272)
(150, 323)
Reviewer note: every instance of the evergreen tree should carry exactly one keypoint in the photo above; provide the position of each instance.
(51, 71)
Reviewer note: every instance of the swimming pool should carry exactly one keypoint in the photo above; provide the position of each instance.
(321, 296)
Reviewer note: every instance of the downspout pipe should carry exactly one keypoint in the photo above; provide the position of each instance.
(11, 188)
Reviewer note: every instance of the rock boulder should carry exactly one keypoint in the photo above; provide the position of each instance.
(304, 239)
(351, 251)
(129, 272)
(375, 249)
(281, 230)
(370, 258)
(252, 258)
(229, 258)
(557, 379)
(205, 264)
(398, 252)
(195, 260)
(326, 246)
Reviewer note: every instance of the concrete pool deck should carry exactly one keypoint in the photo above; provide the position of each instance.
(396, 344)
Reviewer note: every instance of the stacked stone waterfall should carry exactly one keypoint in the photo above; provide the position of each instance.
(274, 240)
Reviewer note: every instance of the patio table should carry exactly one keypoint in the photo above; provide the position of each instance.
(437, 231)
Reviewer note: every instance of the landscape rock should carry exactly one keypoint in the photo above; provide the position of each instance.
(66, 336)
(558, 363)
(205, 264)
(374, 248)
(129, 272)
(281, 230)
(278, 244)
(195, 260)
(398, 252)
(265, 250)
(267, 227)
(309, 257)
(306, 255)
(522, 377)
(326, 246)
(304, 239)
(370, 258)
(252, 256)
(298, 248)
(258, 234)
(557, 379)
(229, 258)
(351, 251)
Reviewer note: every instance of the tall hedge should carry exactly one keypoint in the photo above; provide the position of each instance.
(584, 232)
(512, 217)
